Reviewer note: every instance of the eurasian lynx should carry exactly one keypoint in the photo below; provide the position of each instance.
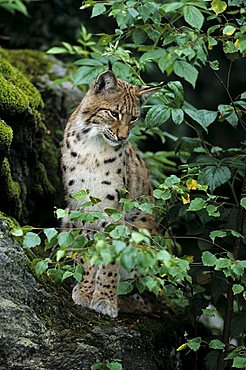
(97, 156)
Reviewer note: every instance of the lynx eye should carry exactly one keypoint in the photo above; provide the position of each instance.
(134, 119)
(114, 115)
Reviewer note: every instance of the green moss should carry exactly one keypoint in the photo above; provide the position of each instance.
(11, 187)
(10, 190)
(31, 63)
(17, 92)
(6, 136)
(42, 183)
(10, 221)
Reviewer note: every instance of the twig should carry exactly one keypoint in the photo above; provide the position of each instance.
(231, 100)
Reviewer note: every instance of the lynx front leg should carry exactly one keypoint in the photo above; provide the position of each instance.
(105, 294)
(83, 292)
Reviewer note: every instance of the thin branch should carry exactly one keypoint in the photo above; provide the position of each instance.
(228, 76)
(243, 123)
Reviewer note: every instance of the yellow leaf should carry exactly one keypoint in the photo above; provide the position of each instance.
(210, 47)
(191, 184)
(185, 200)
(236, 43)
(218, 6)
(189, 258)
(183, 346)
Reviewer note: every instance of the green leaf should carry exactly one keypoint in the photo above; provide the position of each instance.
(120, 231)
(60, 213)
(133, 12)
(78, 274)
(31, 240)
(214, 176)
(122, 70)
(242, 43)
(65, 239)
(42, 266)
(86, 74)
(218, 6)
(157, 115)
(172, 180)
(98, 9)
(145, 11)
(177, 115)
(161, 194)
(17, 231)
(208, 312)
(81, 194)
(216, 344)
(237, 288)
(152, 55)
(67, 274)
(186, 70)
(171, 7)
(50, 233)
(60, 254)
(203, 117)
(208, 259)
(214, 65)
(55, 274)
(212, 210)
(197, 204)
(243, 202)
(229, 30)
(137, 237)
(57, 50)
(124, 288)
(114, 366)
(194, 343)
(193, 16)
(178, 91)
(217, 234)
(239, 362)
(139, 36)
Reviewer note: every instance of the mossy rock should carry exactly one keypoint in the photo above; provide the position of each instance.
(31, 133)
(31, 63)
(17, 94)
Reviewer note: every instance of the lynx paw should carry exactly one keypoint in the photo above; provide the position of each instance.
(81, 298)
(105, 307)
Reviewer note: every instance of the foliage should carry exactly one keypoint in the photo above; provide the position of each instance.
(15, 6)
(112, 365)
(198, 260)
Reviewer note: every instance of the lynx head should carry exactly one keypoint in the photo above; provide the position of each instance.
(112, 106)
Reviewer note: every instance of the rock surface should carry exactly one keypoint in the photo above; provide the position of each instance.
(41, 329)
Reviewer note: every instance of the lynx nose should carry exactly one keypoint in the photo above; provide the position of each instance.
(122, 133)
(120, 137)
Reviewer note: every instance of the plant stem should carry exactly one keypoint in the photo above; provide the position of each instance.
(230, 297)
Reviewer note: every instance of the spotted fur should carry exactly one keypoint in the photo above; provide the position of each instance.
(96, 155)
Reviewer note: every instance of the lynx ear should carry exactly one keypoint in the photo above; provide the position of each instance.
(145, 91)
(106, 80)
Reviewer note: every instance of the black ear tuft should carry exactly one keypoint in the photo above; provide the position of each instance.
(106, 80)
(145, 91)
(109, 65)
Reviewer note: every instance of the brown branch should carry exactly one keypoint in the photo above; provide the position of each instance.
(230, 297)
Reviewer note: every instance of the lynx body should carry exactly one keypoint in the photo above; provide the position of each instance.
(97, 156)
